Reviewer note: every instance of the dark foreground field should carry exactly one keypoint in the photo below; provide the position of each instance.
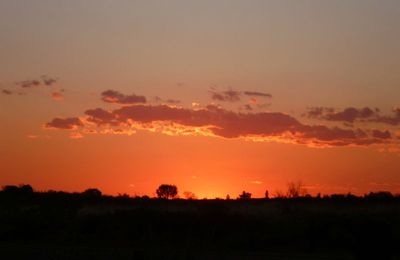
(73, 226)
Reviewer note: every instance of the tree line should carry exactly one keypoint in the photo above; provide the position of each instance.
(170, 191)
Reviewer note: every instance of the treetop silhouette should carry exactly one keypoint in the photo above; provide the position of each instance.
(167, 191)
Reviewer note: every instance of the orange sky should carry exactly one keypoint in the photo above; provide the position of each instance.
(216, 97)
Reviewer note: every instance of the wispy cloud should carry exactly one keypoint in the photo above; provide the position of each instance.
(348, 115)
(58, 96)
(43, 81)
(353, 115)
(257, 94)
(64, 123)
(7, 92)
(113, 96)
(235, 96)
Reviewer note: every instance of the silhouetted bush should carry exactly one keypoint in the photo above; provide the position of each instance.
(189, 195)
(93, 193)
(266, 194)
(295, 190)
(245, 196)
(167, 191)
(10, 189)
(23, 189)
(380, 195)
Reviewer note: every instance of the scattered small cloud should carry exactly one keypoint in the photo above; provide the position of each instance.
(195, 105)
(75, 135)
(257, 94)
(235, 96)
(57, 96)
(167, 101)
(43, 81)
(226, 96)
(7, 92)
(29, 83)
(113, 96)
(390, 120)
(351, 115)
(48, 81)
(348, 115)
(381, 134)
(69, 123)
(248, 107)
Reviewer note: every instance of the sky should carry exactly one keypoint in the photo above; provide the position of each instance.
(214, 96)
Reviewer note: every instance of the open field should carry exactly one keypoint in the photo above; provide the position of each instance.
(65, 226)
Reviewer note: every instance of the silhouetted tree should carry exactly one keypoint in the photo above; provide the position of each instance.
(167, 191)
(25, 188)
(189, 195)
(379, 195)
(123, 196)
(279, 194)
(295, 190)
(21, 189)
(245, 196)
(95, 193)
(266, 194)
(10, 189)
(228, 197)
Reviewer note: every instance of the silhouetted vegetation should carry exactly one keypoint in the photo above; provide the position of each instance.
(266, 194)
(94, 193)
(61, 225)
(295, 190)
(245, 196)
(189, 195)
(166, 191)
(22, 189)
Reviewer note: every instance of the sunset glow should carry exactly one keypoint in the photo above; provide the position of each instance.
(212, 97)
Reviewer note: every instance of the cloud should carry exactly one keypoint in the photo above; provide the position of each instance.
(390, 120)
(348, 115)
(64, 123)
(6, 92)
(11, 92)
(29, 83)
(235, 96)
(381, 134)
(351, 115)
(75, 135)
(100, 117)
(226, 96)
(216, 121)
(57, 96)
(48, 81)
(247, 107)
(173, 101)
(168, 101)
(112, 96)
(43, 81)
(257, 94)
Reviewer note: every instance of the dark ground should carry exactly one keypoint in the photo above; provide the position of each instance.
(73, 226)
